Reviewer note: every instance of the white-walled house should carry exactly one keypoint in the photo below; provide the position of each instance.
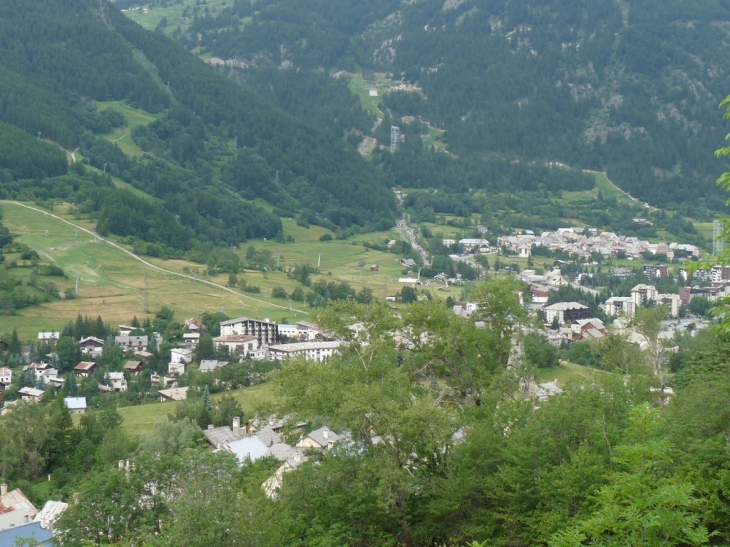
(240, 345)
(116, 381)
(181, 355)
(6, 376)
(320, 439)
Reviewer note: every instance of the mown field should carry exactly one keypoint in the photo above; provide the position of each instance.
(115, 285)
(142, 419)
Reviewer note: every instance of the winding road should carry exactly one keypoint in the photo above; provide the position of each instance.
(154, 266)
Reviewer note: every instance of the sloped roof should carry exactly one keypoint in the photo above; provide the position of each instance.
(33, 530)
(221, 435)
(268, 436)
(75, 403)
(247, 449)
(85, 366)
(323, 436)
(282, 452)
(208, 365)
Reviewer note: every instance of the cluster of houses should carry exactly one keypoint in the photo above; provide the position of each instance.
(241, 338)
(586, 241)
(20, 520)
(261, 438)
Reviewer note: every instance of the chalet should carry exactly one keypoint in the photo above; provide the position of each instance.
(41, 370)
(265, 331)
(320, 439)
(193, 325)
(116, 381)
(124, 330)
(408, 262)
(144, 356)
(582, 325)
(75, 405)
(31, 394)
(374, 268)
(16, 510)
(315, 351)
(4, 346)
(191, 340)
(239, 345)
(84, 369)
(6, 377)
(91, 346)
(176, 368)
(173, 394)
(131, 343)
(133, 368)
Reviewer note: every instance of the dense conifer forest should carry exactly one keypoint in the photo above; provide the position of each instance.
(214, 148)
(630, 88)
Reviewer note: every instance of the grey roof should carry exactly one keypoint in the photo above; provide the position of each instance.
(318, 436)
(268, 436)
(282, 452)
(209, 365)
(222, 435)
(247, 449)
(33, 530)
(75, 403)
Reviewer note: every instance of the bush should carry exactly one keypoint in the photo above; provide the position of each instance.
(279, 292)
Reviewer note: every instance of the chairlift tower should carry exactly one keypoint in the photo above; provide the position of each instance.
(394, 138)
(717, 239)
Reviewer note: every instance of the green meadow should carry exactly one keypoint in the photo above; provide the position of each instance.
(142, 419)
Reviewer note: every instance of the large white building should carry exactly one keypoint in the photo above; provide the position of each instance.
(620, 305)
(265, 331)
(566, 312)
(317, 351)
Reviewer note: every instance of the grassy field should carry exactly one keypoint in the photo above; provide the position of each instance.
(562, 373)
(142, 419)
(113, 284)
(174, 14)
(122, 136)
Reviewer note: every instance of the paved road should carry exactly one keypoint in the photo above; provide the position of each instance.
(155, 267)
(402, 225)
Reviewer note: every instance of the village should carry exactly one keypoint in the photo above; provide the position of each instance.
(245, 341)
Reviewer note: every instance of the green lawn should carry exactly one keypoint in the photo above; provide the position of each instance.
(142, 418)
(122, 136)
(173, 13)
(563, 373)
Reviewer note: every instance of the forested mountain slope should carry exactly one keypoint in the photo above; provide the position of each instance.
(626, 86)
(213, 148)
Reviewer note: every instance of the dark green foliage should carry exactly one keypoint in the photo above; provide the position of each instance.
(539, 352)
(26, 157)
(316, 169)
